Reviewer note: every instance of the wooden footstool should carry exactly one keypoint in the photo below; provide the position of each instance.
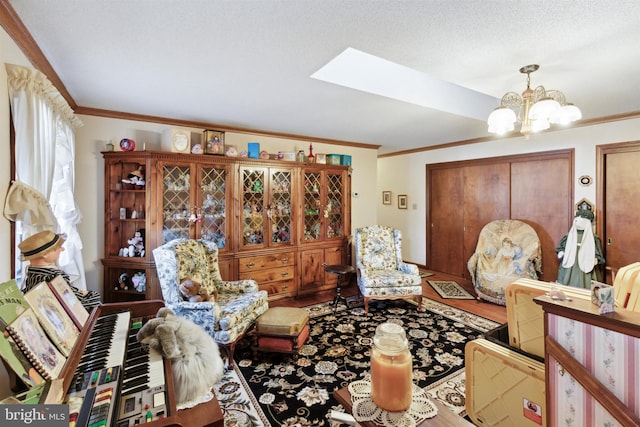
(281, 330)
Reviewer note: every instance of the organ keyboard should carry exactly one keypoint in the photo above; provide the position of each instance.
(111, 380)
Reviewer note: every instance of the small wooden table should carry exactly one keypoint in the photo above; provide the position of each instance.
(341, 271)
(445, 417)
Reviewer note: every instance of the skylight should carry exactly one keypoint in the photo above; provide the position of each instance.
(368, 73)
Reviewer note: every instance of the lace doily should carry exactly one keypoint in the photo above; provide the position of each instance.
(198, 400)
(365, 410)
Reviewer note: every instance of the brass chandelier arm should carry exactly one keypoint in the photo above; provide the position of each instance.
(511, 100)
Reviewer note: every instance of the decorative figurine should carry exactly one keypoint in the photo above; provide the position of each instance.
(139, 281)
(136, 245)
(580, 253)
(135, 178)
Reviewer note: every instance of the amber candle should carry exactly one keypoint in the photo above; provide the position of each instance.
(391, 369)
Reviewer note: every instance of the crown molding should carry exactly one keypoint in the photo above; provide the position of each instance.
(14, 26)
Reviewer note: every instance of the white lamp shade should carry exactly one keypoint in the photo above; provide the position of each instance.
(544, 109)
(567, 114)
(539, 125)
(501, 120)
(501, 129)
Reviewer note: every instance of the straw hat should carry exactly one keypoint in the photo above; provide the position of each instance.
(40, 244)
(137, 173)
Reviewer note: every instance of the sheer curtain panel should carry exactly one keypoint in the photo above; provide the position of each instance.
(44, 155)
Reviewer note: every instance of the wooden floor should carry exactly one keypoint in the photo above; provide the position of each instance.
(482, 308)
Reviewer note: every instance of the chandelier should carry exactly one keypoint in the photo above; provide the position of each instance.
(536, 109)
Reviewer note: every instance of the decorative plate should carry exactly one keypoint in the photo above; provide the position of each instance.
(585, 180)
(127, 144)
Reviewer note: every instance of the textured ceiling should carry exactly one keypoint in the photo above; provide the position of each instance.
(247, 64)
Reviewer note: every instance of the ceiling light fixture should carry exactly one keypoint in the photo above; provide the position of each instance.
(536, 109)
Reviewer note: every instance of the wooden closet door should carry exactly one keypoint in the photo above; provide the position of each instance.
(486, 198)
(445, 222)
(541, 196)
(464, 196)
(620, 201)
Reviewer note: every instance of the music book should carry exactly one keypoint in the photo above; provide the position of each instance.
(62, 290)
(36, 345)
(53, 317)
(35, 395)
(12, 303)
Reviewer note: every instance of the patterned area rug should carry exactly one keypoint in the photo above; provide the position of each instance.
(238, 404)
(287, 392)
(449, 289)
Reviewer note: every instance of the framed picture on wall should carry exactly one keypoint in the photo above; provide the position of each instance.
(402, 201)
(386, 197)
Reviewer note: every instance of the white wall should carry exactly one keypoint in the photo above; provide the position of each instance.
(406, 174)
(96, 132)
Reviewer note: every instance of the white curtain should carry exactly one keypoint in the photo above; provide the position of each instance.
(45, 154)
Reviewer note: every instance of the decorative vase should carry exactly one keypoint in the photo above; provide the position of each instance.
(311, 158)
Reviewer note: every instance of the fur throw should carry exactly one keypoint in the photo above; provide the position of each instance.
(195, 357)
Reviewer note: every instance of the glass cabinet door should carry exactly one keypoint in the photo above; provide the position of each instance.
(323, 205)
(212, 215)
(267, 220)
(312, 206)
(279, 207)
(334, 209)
(253, 206)
(176, 202)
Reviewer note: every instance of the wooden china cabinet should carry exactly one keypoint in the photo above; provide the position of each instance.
(277, 222)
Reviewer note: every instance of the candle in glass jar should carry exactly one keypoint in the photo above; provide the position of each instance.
(391, 369)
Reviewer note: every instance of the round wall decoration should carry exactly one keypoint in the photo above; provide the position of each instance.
(127, 144)
(585, 180)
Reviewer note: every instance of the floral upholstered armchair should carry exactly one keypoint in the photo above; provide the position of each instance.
(238, 304)
(380, 270)
(506, 251)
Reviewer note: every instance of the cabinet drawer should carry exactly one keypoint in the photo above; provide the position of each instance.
(267, 261)
(275, 288)
(271, 275)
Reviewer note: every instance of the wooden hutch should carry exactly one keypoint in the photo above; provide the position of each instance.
(278, 222)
